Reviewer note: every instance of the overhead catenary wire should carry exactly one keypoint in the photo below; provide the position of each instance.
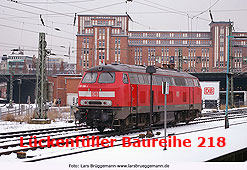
(160, 12)
(206, 9)
(51, 27)
(31, 18)
(169, 8)
(159, 6)
(136, 22)
(32, 48)
(91, 10)
(76, 6)
(31, 31)
(110, 5)
(47, 10)
(55, 13)
(43, 2)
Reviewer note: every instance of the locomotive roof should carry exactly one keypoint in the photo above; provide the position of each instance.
(136, 69)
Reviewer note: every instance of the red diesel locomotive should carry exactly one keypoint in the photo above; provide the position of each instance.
(118, 96)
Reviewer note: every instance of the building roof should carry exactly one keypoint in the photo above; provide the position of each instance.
(220, 22)
(136, 69)
(160, 31)
(102, 15)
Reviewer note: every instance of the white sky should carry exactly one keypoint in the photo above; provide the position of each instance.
(165, 15)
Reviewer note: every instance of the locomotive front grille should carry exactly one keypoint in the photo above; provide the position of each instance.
(95, 102)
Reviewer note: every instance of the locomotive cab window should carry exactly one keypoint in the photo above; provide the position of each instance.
(107, 77)
(197, 84)
(125, 78)
(89, 78)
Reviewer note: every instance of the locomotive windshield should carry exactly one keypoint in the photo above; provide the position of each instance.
(90, 77)
(107, 77)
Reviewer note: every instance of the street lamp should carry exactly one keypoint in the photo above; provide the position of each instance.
(151, 70)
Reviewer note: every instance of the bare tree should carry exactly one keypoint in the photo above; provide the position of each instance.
(34, 61)
(24, 69)
(54, 69)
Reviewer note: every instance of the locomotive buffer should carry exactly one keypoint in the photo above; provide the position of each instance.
(165, 91)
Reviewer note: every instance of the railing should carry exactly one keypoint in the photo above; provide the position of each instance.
(27, 110)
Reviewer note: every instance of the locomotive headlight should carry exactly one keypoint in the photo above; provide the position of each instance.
(84, 102)
(106, 103)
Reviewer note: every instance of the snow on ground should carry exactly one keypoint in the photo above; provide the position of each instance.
(215, 110)
(235, 140)
(177, 158)
(7, 126)
(4, 107)
(17, 126)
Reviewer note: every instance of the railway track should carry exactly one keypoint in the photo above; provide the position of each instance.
(82, 129)
(233, 111)
(39, 132)
(35, 130)
(6, 152)
(119, 143)
(232, 115)
(221, 116)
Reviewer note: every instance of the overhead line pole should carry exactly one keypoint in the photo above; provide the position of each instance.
(231, 83)
(228, 76)
(41, 80)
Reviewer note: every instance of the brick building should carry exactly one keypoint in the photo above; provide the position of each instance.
(64, 87)
(107, 39)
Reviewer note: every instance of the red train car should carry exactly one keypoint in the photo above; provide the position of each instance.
(118, 96)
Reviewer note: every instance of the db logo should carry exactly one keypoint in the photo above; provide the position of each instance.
(95, 94)
(209, 90)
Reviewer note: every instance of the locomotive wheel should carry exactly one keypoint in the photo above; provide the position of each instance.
(101, 129)
(123, 126)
